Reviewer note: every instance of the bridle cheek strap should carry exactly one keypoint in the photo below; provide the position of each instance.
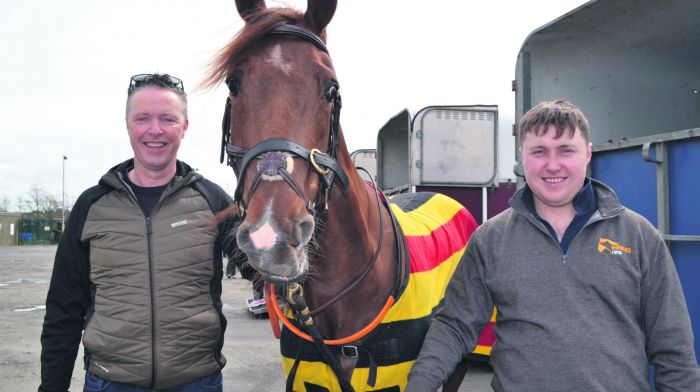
(225, 130)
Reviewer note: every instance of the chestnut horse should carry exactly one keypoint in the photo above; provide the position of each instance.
(367, 267)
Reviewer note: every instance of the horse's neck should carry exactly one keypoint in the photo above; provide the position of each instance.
(347, 244)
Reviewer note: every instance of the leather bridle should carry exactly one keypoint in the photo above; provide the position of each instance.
(271, 153)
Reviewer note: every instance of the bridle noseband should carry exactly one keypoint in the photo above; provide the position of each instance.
(271, 153)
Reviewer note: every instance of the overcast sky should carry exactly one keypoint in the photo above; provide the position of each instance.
(66, 67)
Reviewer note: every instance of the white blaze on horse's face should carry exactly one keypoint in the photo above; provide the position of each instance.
(264, 237)
(276, 59)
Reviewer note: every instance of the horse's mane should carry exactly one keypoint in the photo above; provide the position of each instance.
(257, 26)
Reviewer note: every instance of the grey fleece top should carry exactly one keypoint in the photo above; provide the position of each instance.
(588, 320)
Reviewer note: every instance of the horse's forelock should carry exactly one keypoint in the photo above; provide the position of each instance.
(257, 27)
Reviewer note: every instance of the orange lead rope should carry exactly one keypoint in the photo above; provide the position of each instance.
(278, 315)
(274, 319)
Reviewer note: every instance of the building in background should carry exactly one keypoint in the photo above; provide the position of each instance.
(9, 228)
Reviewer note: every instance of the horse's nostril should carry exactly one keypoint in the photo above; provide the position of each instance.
(243, 235)
(306, 229)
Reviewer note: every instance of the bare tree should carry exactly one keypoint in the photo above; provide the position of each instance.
(51, 207)
(35, 199)
(40, 204)
(20, 204)
(4, 203)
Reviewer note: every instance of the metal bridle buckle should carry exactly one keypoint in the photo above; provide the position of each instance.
(241, 210)
(294, 288)
(349, 351)
(313, 161)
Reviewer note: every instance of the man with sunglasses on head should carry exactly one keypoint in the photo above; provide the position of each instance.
(138, 269)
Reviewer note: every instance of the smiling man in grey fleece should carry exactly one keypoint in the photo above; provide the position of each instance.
(586, 290)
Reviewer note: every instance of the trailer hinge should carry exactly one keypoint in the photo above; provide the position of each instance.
(515, 129)
(514, 85)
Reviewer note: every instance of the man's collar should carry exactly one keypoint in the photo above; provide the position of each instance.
(584, 201)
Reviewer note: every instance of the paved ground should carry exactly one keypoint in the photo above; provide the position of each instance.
(252, 351)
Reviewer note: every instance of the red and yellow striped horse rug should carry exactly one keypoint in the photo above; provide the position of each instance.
(436, 230)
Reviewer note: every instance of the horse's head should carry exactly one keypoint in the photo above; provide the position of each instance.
(281, 131)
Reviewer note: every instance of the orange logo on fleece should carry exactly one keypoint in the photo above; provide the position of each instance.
(612, 247)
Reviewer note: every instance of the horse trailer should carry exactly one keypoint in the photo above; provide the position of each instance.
(434, 150)
(366, 161)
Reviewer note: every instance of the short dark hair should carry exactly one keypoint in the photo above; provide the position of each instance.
(163, 81)
(564, 115)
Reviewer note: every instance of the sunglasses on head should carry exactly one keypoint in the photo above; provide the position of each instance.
(155, 79)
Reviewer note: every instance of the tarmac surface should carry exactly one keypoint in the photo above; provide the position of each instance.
(251, 349)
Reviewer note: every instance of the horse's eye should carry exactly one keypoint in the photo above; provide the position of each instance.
(234, 85)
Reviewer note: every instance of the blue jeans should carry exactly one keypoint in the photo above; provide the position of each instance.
(211, 383)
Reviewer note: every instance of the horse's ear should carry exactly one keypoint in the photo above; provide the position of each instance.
(319, 13)
(248, 8)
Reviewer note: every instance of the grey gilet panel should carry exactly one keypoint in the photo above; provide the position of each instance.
(152, 318)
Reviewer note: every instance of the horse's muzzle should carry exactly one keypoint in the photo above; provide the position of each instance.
(279, 255)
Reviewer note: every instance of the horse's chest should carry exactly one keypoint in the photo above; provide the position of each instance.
(436, 230)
